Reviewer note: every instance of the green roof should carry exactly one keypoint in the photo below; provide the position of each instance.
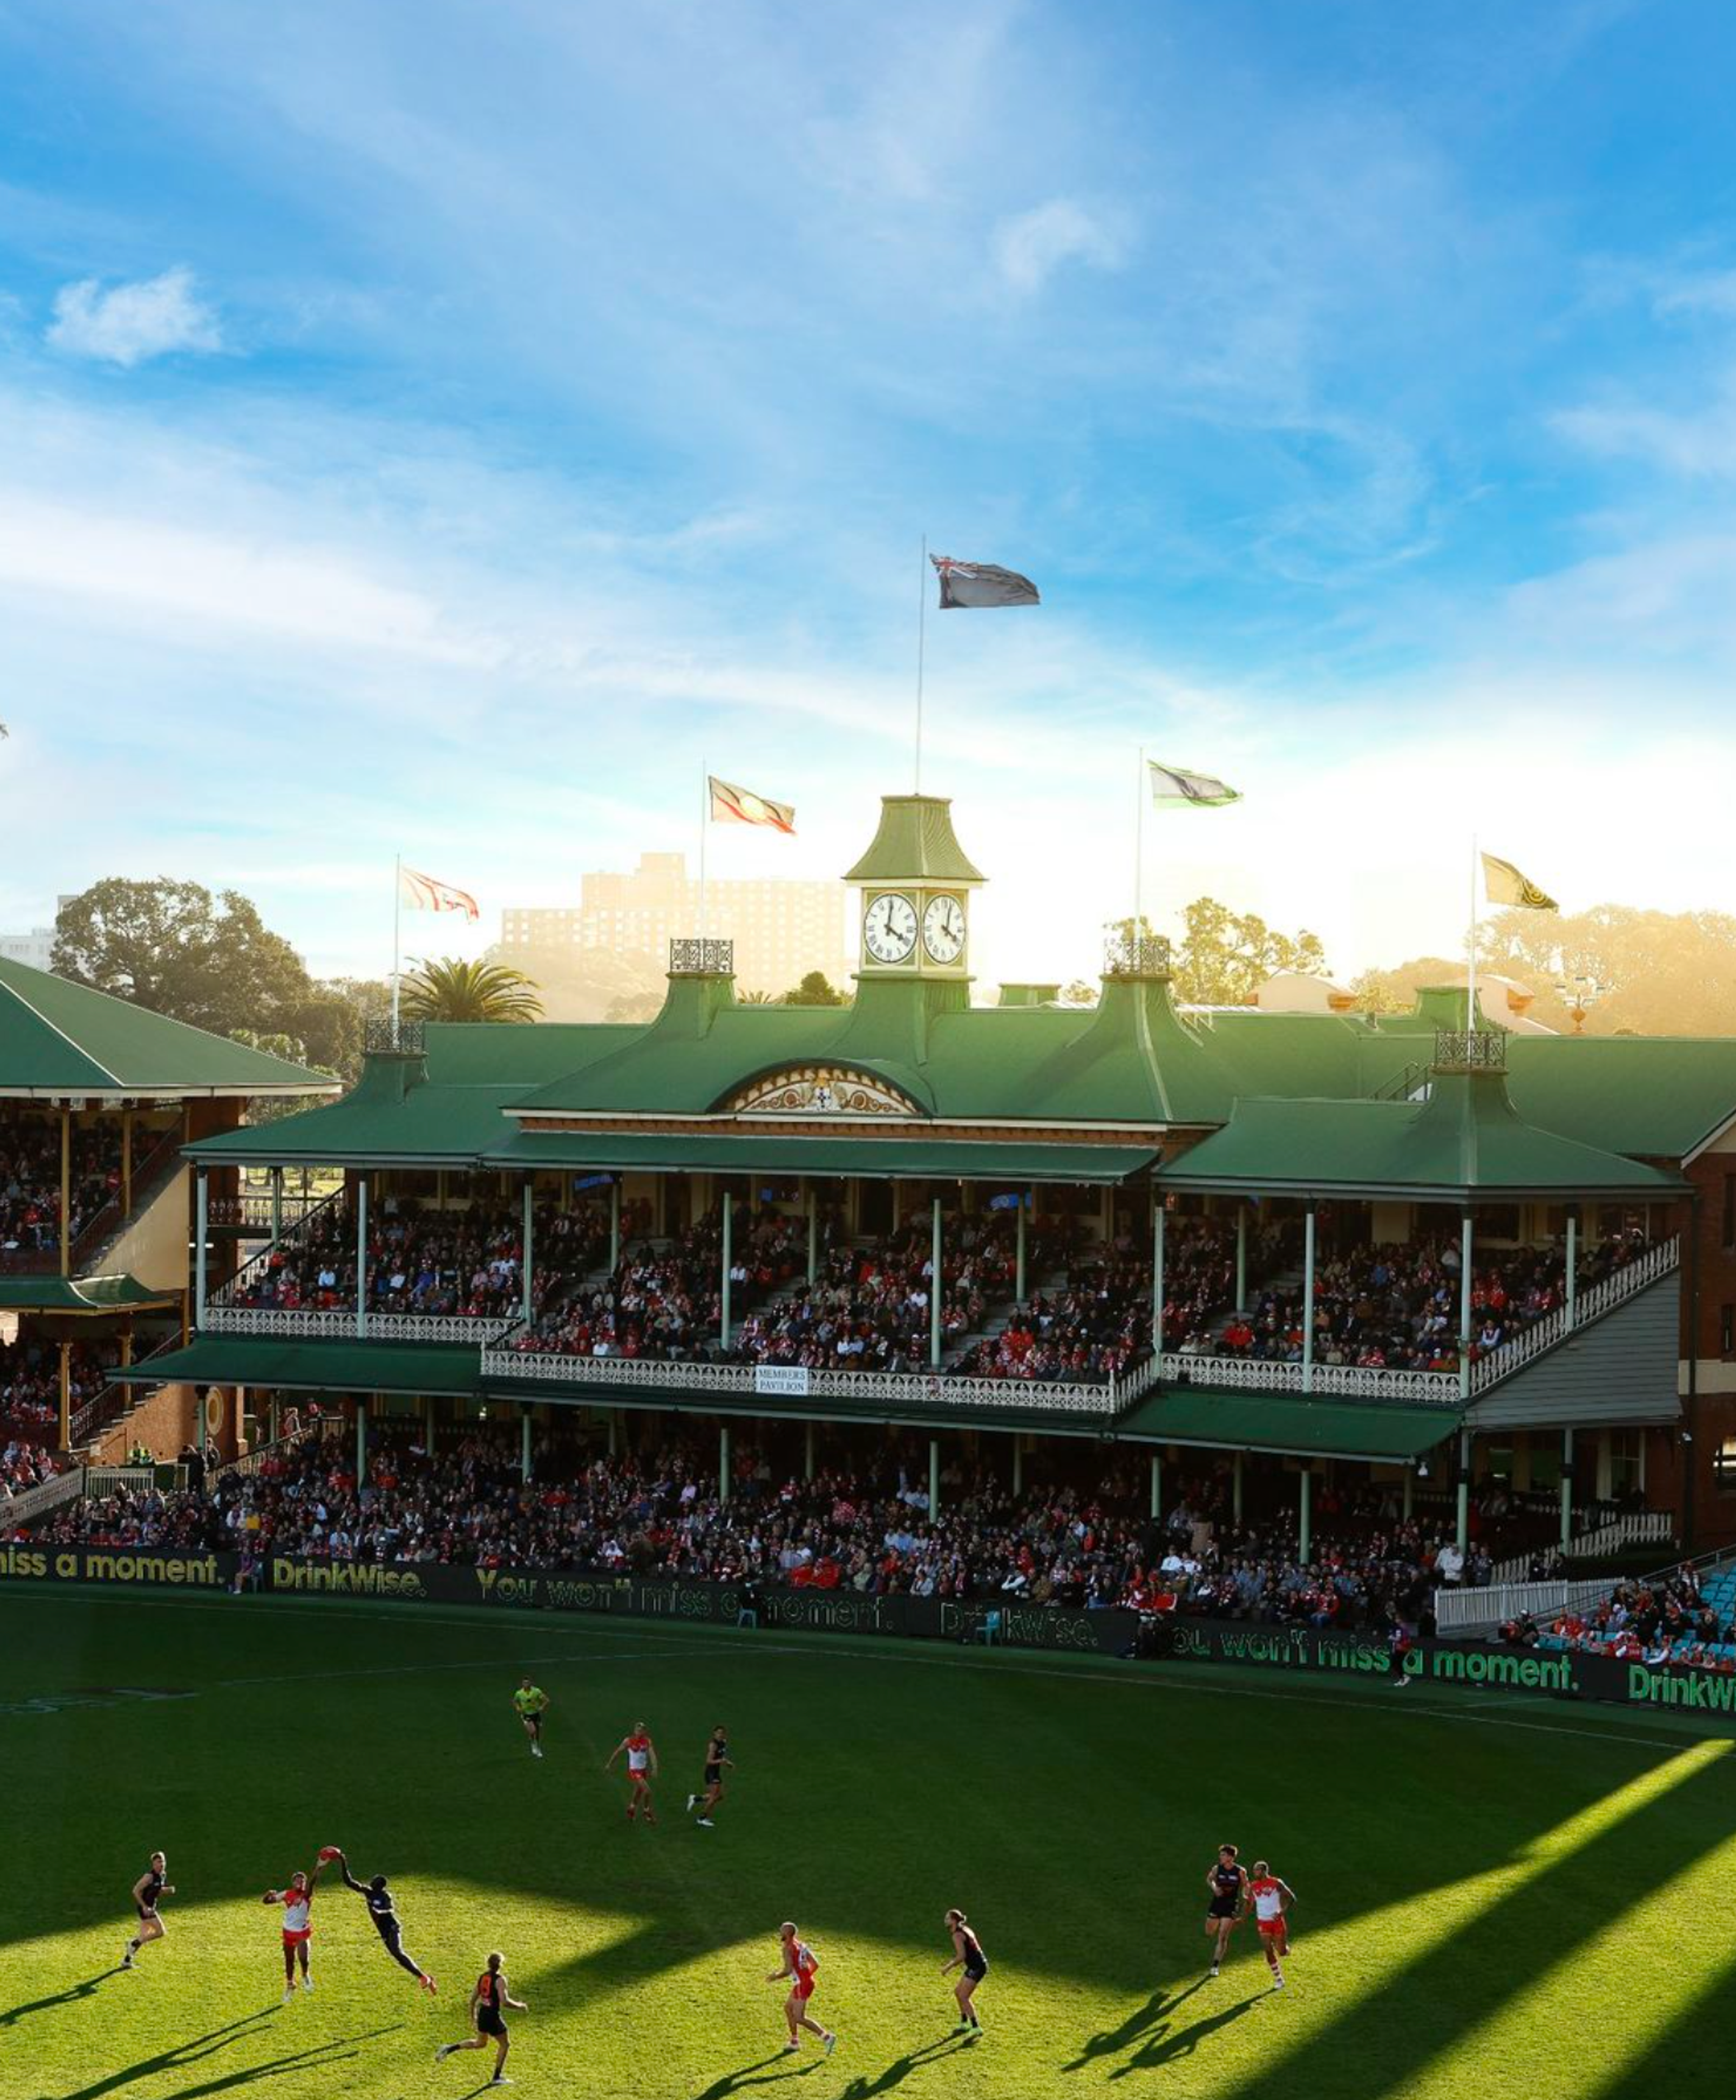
(1464, 1139)
(445, 1108)
(60, 1038)
(870, 1159)
(1660, 1096)
(312, 1366)
(84, 1293)
(1286, 1424)
(915, 843)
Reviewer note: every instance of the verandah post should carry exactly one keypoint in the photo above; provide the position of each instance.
(934, 1477)
(525, 1297)
(201, 1212)
(361, 1255)
(1307, 1324)
(1573, 1264)
(1307, 1514)
(728, 1209)
(1157, 1282)
(935, 1288)
(1465, 1231)
(1241, 1257)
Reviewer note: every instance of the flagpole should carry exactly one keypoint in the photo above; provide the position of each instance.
(1138, 852)
(922, 638)
(705, 813)
(398, 914)
(1470, 987)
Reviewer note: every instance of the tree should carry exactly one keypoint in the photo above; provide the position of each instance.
(1394, 991)
(1225, 956)
(816, 989)
(634, 1005)
(331, 1022)
(756, 998)
(586, 983)
(174, 948)
(448, 988)
(1656, 972)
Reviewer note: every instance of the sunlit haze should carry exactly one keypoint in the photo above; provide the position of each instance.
(445, 431)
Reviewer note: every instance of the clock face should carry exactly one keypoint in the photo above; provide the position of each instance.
(943, 929)
(889, 929)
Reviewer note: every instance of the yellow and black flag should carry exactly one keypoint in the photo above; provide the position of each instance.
(1503, 883)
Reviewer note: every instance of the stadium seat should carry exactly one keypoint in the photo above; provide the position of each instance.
(990, 1631)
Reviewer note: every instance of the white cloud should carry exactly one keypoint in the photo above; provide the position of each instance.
(1030, 248)
(130, 322)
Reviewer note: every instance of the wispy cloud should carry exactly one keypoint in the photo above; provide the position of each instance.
(1030, 248)
(128, 323)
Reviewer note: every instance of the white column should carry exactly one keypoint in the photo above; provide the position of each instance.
(1410, 1482)
(1307, 1531)
(934, 1476)
(361, 1254)
(1566, 1487)
(1018, 1462)
(614, 1424)
(615, 1226)
(277, 1204)
(1573, 1264)
(526, 1295)
(723, 1462)
(934, 1291)
(361, 1439)
(1462, 1526)
(1019, 1249)
(729, 1227)
(1307, 1324)
(1466, 1228)
(1236, 1487)
(808, 1451)
(201, 1212)
(1241, 1257)
(1157, 1279)
(813, 1233)
(1156, 1485)
(524, 1444)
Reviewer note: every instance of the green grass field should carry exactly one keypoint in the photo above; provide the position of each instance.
(1495, 1897)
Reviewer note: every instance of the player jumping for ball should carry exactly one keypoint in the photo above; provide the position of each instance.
(799, 1964)
(641, 1769)
(1271, 1899)
(488, 2003)
(148, 1890)
(531, 1703)
(297, 1900)
(384, 1912)
(717, 1761)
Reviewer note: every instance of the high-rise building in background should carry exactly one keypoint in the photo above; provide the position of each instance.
(36, 948)
(781, 929)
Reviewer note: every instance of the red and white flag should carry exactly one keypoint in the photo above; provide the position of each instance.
(740, 805)
(421, 893)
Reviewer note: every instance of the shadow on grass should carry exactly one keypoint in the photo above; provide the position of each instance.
(1137, 2023)
(760, 2072)
(900, 2067)
(13, 2013)
(316, 2056)
(1163, 2047)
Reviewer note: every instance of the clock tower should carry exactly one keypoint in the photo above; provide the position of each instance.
(914, 886)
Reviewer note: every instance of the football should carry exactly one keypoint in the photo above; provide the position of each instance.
(329, 1852)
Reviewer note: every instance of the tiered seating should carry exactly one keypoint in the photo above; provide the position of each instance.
(30, 1181)
(30, 1384)
(1680, 1618)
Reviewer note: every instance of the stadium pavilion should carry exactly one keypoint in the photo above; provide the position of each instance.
(1226, 1173)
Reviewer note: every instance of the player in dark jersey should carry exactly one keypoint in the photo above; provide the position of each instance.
(488, 2004)
(384, 1912)
(1226, 1885)
(717, 1761)
(968, 1955)
(148, 1890)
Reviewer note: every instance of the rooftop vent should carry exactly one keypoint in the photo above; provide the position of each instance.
(1126, 955)
(702, 959)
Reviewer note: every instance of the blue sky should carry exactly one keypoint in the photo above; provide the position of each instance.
(439, 429)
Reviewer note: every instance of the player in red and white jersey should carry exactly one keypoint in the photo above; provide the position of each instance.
(641, 1769)
(298, 1901)
(1270, 1899)
(799, 1963)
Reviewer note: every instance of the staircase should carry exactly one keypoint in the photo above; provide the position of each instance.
(1045, 1286)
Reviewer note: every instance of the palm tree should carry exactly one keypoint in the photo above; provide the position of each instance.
(756, 998)
(450, 989)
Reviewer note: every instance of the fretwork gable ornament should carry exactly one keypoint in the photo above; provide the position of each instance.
(810, 1090)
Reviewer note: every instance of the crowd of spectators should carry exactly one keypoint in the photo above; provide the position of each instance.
(30, 1181)
(666, 1301)
(1398, 1306)
(1655, 1619)
(30, 1383)
(867, 1528)
(467, 1261)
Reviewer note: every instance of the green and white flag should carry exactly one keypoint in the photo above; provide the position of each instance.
(1174, 789)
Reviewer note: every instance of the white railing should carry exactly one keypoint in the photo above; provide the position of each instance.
(1459, 1610)
(110, 1479)
(249, 1461)
(254, 1213)
(1643, 1527)
(1543, 1334)
(872, 1388)
(225, 1293)
(45, 1495)
(1329, 1381)
(474, 1329)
